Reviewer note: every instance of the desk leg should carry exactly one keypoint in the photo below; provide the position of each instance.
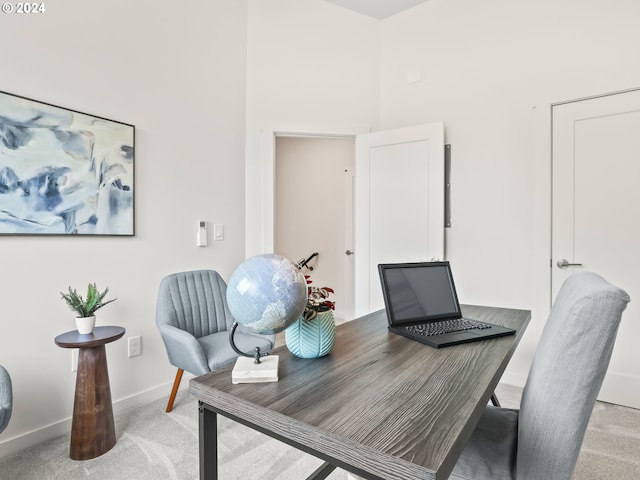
(92, 428)
(208, 426)
(322, 472)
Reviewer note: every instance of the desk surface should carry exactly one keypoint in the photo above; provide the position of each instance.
(380, 405)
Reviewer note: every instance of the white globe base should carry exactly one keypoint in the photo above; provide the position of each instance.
(247, 371)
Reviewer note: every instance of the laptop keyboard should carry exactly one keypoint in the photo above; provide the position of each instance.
(446, 326)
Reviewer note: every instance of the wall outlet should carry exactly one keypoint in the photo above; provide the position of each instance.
(135, 346)
(74, 360)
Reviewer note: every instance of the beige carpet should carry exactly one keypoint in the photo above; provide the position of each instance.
(154, 445)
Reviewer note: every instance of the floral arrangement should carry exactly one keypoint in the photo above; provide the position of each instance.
(318, 300)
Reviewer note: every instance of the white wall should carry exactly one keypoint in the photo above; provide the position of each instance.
(485, 66)
(312, 67)
(177, 73)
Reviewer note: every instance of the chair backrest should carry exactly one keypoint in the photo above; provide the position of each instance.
(6, 398)
(566, 375)
(194, 301)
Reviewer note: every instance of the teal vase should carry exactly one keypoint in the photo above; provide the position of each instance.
(312, 339)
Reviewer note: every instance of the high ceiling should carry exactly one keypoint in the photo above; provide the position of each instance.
(377, 8)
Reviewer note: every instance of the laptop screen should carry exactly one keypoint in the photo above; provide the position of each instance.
(418, 292)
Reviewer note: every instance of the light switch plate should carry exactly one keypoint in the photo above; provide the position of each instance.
(218, 232)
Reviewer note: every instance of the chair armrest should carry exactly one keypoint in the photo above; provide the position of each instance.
(183, 350)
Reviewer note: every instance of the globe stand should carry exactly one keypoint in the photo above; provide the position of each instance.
(256, 354)
(264, 367)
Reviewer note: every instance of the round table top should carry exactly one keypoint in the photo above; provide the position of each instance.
(100, 336)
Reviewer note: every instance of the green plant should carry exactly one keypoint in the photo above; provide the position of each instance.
(86, 307)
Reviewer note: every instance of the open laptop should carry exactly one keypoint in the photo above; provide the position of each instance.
(422, 304)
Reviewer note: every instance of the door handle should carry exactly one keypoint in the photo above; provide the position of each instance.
(564, 263)
(349, 252)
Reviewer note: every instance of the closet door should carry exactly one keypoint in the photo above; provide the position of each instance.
(596, 206)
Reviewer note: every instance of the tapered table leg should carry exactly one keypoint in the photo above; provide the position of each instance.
(92, 428)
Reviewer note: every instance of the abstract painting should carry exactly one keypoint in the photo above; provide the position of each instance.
(63, 172)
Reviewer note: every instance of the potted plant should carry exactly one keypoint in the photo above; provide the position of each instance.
(314, 334)
(317, 300)
(86, 307)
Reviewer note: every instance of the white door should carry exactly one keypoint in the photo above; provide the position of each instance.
(399, 204)
(596, 215)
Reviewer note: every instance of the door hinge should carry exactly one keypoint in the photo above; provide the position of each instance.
(447, 186)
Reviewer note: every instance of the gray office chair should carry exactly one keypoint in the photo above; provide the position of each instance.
(194, 322)
(6, 398)
(543, 439)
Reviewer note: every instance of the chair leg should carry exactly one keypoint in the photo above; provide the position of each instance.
(176, 384)
(494, 400)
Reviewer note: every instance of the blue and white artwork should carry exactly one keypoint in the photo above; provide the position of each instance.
(63, 172)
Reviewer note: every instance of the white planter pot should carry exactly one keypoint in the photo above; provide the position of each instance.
(85, 324)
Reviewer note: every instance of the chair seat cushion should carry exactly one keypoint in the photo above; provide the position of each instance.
(218, 350)
(491, 450)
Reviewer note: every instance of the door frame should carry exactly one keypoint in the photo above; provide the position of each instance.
(260, 205)
(542, 120)
(542, 145)
(553, 105)
(619, 385)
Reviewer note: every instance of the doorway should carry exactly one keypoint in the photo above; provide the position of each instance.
(596, 207)
(313, 210)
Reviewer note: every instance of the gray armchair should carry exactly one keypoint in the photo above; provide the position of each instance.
(6, 398)
(544, 438)
(194, 322)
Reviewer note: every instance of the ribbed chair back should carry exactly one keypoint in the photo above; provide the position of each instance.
(194, 301)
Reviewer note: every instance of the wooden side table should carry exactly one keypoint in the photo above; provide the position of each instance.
(92, 428)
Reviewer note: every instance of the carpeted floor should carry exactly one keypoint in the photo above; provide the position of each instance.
(154, 445)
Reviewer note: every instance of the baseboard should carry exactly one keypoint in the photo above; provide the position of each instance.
(63, 427)
(621, 389)
(514, 379)
(21, 442)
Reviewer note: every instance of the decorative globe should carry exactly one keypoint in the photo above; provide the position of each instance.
(267, 293)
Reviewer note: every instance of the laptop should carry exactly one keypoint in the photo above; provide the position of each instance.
(422, 304)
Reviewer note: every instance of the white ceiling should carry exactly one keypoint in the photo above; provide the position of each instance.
(377, 8)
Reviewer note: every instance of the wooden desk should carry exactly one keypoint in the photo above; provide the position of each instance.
(92, 428)
(380, 405)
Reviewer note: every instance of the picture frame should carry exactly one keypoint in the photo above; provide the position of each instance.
(64, 172)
